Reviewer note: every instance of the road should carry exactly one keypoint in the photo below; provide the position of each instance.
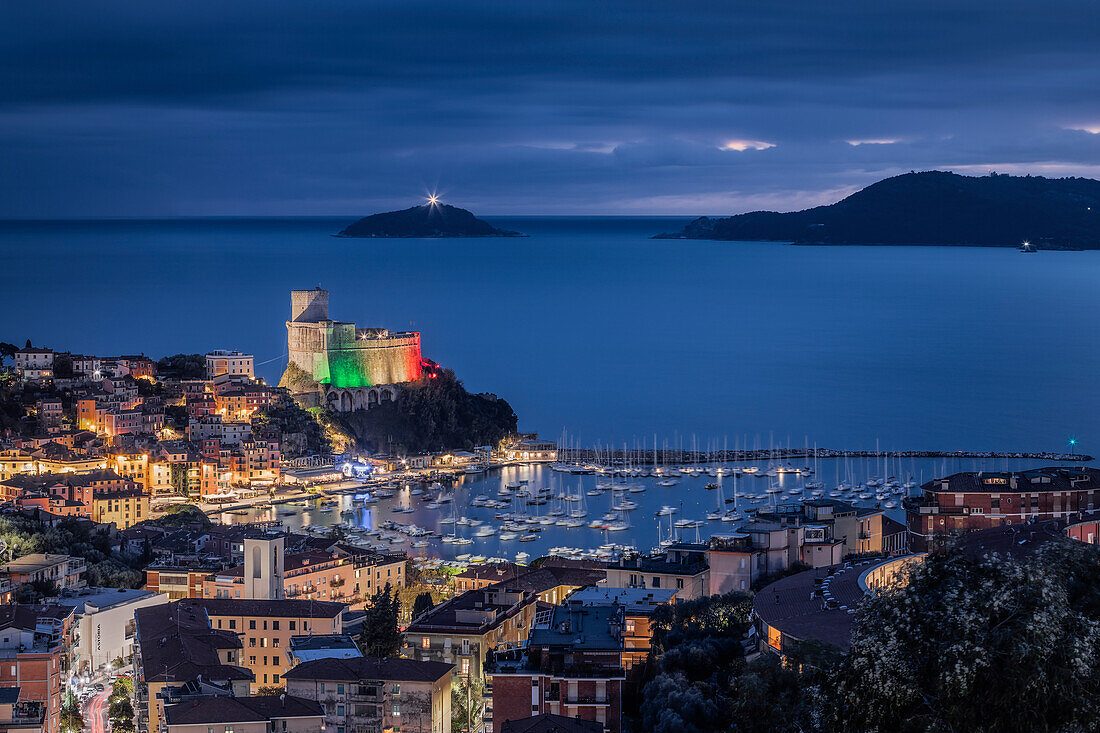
(95, 715)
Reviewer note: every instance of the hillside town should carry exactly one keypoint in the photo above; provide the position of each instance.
(123, 606)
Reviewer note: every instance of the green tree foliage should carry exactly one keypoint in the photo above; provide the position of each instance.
(123, 687)
(467, 705)
(177, 476)
(990, 644)
(380, 636)
(422, 604)
(698, 649)
(429, 415)
(120, 709)
(178, 515)
(302, 433)
(26, 536)
(265, 690)
(71, 719)
(773, 695)
(183, 366)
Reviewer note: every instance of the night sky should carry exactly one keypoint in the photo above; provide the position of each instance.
(278, 107)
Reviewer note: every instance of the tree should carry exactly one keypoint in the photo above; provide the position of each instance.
(120, 709)
(270, 690)
(380, 636)
(422, 604)
(774, 694)
(123, 686)
(467, 705)
(71, 720)
(978, 644)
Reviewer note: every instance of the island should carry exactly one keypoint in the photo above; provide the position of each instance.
(433, 219)
(931, 208)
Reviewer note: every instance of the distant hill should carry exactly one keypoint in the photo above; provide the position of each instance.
(933, 208)
(430, 220)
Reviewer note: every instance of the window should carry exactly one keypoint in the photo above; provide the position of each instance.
(265, 660)
(275, 641)
(396, 710)
(465, 646)
(275, 678)
(252, 641)
(292, 625)
(228, 729)
(232, 623)
(425, 643)
(680, 581)
(656, 582)
(274, 625)
(395, 690)
(465, 666)
(252, 625)
(322, 687)
(252, 661)
(340, 710)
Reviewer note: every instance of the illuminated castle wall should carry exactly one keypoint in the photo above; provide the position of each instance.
(340, 356)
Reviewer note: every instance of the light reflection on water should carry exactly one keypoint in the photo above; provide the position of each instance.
(689, 497)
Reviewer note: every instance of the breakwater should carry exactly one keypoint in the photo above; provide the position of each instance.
(675, 456)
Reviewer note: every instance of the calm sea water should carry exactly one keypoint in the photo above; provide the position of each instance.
(590, 326)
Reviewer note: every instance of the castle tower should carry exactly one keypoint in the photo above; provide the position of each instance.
(263, 567)
(309, 306)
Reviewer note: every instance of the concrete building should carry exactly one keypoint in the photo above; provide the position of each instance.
(363, 695)
(461, 631)
(266, 627)
(262, 714)
(347, 368)
(177, 649)
(65, 571)
(970, 501)
(104, 624)
(639, 605)
(34, 363)
(20, 716)
(311, 648)
(571, 667)
(34, 641)
(682, 568)
(230, 362)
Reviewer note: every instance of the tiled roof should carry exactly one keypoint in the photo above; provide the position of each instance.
(177, 644)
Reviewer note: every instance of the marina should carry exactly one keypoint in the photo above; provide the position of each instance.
(514, 513)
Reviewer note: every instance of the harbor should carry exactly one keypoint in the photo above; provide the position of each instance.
(600, 512)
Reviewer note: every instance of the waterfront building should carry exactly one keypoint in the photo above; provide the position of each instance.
(572, 666)
(261, 714)
(364, 694)
(104, 624)
(464, 629)
(970, 501)
(34, 641)
(266, 626)
(550, 583)
(230, 362)
(344, 367)
(62, 570)
(682, 568)
(531, 450)
(176, 648)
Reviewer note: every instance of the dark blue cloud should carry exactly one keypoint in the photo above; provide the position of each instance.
(277, 107)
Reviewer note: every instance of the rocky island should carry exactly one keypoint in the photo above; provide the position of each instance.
(931, 208)
(430, 220)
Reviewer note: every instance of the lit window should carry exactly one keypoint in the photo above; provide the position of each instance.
(425, 643)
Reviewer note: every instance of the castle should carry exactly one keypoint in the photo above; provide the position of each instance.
(349, 368)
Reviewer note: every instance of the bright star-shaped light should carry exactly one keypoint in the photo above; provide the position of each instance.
(433, 199)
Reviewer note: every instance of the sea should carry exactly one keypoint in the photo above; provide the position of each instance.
(599, 335)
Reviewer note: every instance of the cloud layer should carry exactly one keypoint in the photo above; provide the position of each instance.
(345, 107)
